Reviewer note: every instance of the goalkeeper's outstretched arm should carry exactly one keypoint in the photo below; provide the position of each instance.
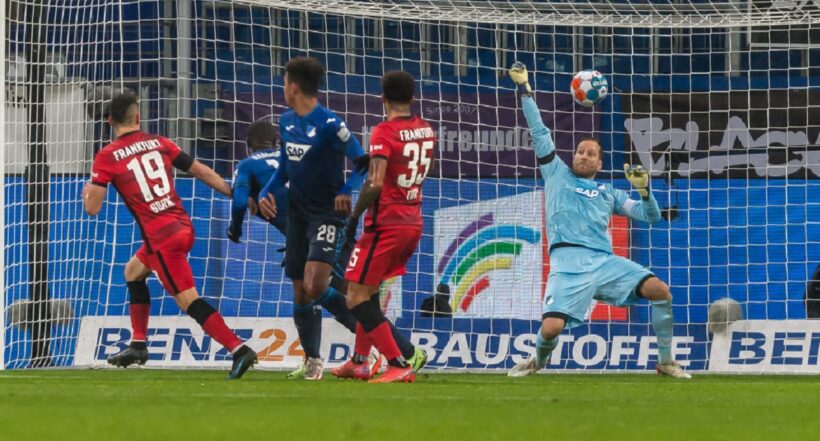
(541, 135)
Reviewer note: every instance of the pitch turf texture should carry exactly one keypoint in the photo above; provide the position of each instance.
(141, 404)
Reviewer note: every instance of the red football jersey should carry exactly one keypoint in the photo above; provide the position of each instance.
(139, 166)
(408, 144)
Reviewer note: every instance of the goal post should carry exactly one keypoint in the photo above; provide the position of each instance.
(718, 99)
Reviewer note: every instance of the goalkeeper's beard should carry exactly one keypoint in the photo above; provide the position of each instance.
(586, 171)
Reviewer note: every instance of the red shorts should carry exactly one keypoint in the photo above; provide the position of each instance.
(380, 255)
(170, 263)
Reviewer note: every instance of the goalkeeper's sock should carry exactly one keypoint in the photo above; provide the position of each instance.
(336, 304)
(543, 348)
(305, 317)
(375, 324)
(407, 349)
(139, 309)
(664, 327)
(213, 324)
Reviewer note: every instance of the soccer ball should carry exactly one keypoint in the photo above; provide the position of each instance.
(589, 87)
(723, 313)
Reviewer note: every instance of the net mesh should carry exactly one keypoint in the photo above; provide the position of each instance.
(717, 99)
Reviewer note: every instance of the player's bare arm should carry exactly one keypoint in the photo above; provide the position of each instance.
(209, 177)
(93, 196)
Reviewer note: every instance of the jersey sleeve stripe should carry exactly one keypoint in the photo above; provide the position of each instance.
(100, 184)
(183, 161)
(544, 160)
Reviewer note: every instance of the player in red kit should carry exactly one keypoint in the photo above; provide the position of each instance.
(139, 165)
(401, 155)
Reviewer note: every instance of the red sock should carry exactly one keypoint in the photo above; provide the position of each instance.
(139, 321)
(215, 327)
(382, 339)
(363, 342)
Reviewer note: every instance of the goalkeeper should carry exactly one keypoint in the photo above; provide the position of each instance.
(582, 265)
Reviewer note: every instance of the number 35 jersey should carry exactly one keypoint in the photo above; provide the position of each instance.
(139, 166)
(408, 145)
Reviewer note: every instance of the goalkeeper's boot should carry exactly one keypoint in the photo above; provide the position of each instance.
(525, 368)
(298, 374)
(673, 370)
(418, 360)
(356, 371)
(314, 368)
(243, 359)
(129, 356)
(396, 374)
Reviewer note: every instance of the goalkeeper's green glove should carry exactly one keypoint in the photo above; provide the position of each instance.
(638, 176)
(518, 73)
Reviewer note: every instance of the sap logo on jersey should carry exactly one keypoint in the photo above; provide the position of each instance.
(588, 192)
(297, 151)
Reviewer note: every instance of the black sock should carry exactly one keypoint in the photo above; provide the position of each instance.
(336, 304)
(369, 314)
(138, 345)
(304, 317)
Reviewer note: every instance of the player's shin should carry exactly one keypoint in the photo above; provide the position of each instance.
(335, 303)
(361, 348)
(213, 324)
(378, 329)
(663, 324)
(543, 349)
(139, 310)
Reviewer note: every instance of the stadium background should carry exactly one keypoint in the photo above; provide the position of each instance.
(745, 235)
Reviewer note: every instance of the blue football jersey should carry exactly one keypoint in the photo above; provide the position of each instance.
(313, 149)
(578, 209)
(250, 176)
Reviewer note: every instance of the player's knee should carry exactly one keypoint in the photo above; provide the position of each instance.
(315, 287)
(135, 271)
(551, 327)
(655, 289)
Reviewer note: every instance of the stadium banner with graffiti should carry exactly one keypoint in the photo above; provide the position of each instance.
(739, 134)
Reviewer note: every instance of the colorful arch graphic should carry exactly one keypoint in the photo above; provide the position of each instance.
(481, 247)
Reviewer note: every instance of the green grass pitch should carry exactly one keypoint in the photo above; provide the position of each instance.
(142, 404)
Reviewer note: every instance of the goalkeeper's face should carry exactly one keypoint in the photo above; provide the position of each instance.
(586, 161)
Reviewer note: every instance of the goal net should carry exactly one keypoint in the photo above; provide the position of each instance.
(717, 99)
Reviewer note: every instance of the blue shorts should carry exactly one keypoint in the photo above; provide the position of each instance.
(578, 275)
(310, 238)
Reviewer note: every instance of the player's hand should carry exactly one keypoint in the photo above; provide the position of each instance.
(638, 176)
(343, 204)
(252, 207)
(518, 73)
(234, 233)
(267, 207)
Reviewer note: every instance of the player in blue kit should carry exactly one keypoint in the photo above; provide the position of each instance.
(314, 145)
(252, 173)
(582, 265)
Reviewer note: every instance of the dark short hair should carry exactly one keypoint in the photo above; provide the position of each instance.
(398, 86)
(261, 135)
(120, 107)
(307, 73)
(596, 141)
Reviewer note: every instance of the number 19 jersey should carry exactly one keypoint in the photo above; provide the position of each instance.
(408, 145)
(139, 166)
